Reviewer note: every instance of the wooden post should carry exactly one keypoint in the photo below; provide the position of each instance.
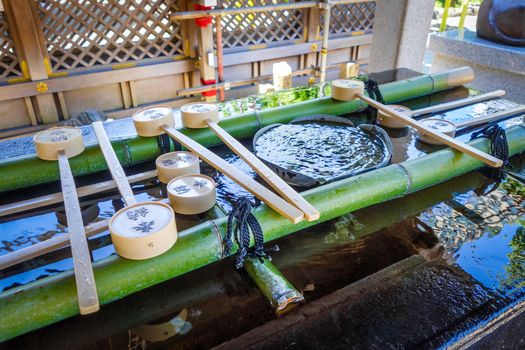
(312, 34)
(190, 41)
(348, 70)
(198, 42)
(206, 54)
(26, 31)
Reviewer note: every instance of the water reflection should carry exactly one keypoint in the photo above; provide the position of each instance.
(484, 235)
(497, 260)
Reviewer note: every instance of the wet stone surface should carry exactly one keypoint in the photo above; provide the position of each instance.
(399, 307)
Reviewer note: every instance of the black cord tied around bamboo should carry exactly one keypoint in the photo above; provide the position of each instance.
(164, 142)
(372, 88)
(499, 146)
(240, 223)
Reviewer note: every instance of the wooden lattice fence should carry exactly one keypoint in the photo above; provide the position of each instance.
(351, 18)
(119, 55)
(86, 33)
(9, 63)
(263, 28)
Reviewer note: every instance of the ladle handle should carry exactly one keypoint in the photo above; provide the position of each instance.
(491, 117)
(271, 199)
(266, 173)
(114, 165)
(459, 103)
(84, 277)
(436, 135)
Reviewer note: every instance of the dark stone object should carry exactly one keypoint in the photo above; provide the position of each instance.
(502, 21)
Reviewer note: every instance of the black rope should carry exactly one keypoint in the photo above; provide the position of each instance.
(240, 222)
(499, 146)
(372, 88)
(164, 142)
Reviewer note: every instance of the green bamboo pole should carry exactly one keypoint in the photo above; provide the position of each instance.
(443, 25)
(464, 12)
(306, 248)
(281, 294)
(30, 171)
(41, 304)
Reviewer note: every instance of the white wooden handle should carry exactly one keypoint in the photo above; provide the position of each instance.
(266, 173)
(458, 103)
(447, 140)
(271, 199)
(84, 277)
(114, 165)
(491, 117)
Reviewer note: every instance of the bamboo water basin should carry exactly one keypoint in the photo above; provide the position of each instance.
(404, 148)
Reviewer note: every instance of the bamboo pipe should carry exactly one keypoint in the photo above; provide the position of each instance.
(446, 9)
(273, 285)
(240, 10)
(459, 103)
(41, 304)
(254, 9)
(220, 63)
(327, 7)
(447, 140)
(199, 290)
(29, 171)
(464, 12)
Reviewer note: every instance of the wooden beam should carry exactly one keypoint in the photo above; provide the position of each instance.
(63, 105)
(24, 25)
(30, 110)
(271, 53)
(133, 94)
(126, 94)
(74, 82)
(312, 36)
(114, 114)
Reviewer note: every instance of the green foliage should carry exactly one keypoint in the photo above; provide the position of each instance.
(514, 187)
(516, 267)
(273, 99)
(453, 3)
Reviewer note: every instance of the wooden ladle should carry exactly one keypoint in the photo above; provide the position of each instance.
(449, 128)
(201, 115)
(347, 90)
(385, 120)
(60, 144)
(159, 120)
(140, 230)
